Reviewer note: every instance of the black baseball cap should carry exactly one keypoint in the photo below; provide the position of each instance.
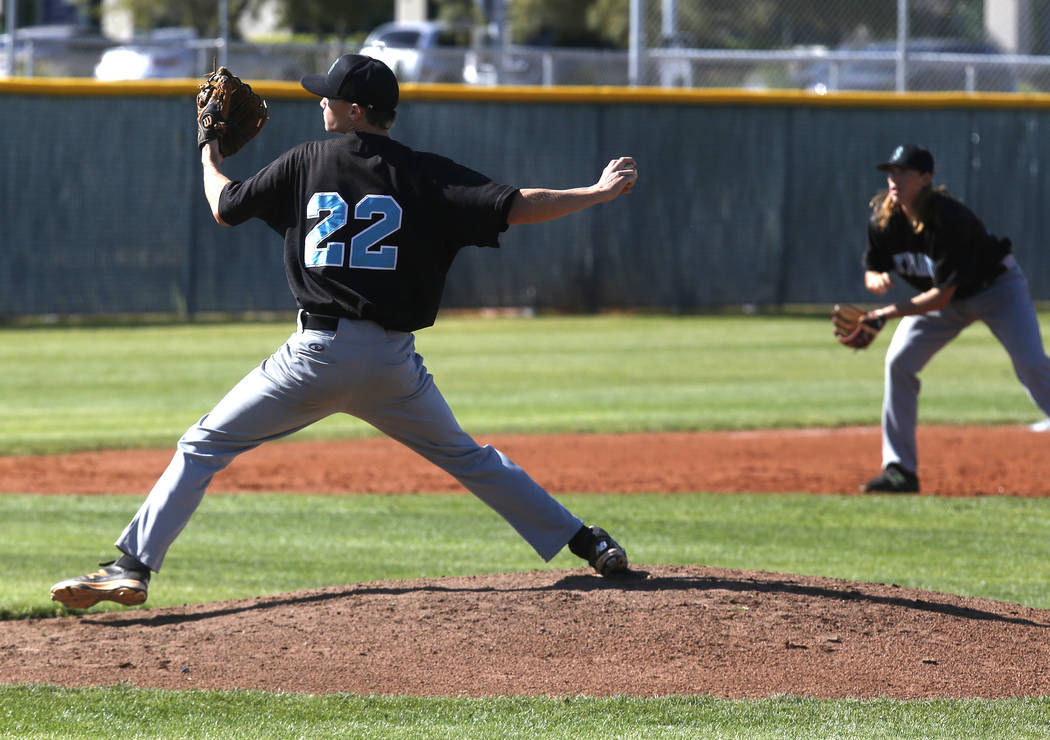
(909, 156)
(357, 79)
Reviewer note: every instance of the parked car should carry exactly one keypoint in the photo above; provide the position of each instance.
(420, 51)
(163, 53)
(925, 74)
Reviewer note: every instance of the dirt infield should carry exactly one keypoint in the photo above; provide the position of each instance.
(956, 461)
(666, 630)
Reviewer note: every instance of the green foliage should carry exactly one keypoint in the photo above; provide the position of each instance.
(460, 12)
(319, 17)
(723, 24)
(948, 18)
(731, 24)
(201, 15)
(552, 23)
(322, 17)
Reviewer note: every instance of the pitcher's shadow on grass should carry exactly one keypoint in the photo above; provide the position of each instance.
(635, 580)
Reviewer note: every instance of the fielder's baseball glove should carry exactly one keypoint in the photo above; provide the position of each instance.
(852, 329)
(229, 112)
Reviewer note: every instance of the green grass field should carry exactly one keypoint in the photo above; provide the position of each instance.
(89, 388)
(992, 547)
(93, 713)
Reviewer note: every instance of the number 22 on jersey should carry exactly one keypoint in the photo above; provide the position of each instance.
(366, 250)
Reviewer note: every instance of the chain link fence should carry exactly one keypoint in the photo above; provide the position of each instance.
(67, 53)
(829, 45)
(816, 45)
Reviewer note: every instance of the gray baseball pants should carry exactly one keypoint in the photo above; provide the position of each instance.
(1006, 308)
(363, 370)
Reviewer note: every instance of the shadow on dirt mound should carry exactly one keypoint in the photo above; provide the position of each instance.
(664, 630)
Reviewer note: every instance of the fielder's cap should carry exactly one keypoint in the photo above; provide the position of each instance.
(909, 156)
(357, 79)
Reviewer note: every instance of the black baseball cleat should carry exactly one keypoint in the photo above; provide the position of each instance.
(605, 555)
(112, 583)
(893, 479)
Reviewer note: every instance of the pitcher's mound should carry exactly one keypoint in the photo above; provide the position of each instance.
(664, 630)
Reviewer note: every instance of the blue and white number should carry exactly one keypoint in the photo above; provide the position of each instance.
(330, 254)
(363, 251)
(366, 249)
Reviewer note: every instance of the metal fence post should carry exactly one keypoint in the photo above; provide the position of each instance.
(637, 38)
(12, 23)
(902, 45)
(670, 19)
(224, 31)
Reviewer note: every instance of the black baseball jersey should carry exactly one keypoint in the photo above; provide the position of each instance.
(954, 248)
(370, 226)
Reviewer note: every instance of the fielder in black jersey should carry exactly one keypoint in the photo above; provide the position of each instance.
(370, 229)
(963, 274)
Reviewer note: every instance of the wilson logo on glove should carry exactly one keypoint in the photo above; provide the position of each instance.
(228, 112)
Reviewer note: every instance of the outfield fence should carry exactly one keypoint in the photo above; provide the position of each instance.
(745, 198)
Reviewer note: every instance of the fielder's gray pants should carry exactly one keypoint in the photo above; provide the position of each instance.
(1006, 307)
(362, 370)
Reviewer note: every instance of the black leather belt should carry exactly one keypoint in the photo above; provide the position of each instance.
(319, 321)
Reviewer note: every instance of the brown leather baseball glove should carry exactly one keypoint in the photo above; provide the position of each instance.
(229, 112)
(852, 329)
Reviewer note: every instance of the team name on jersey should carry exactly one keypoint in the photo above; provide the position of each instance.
(914, 264)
